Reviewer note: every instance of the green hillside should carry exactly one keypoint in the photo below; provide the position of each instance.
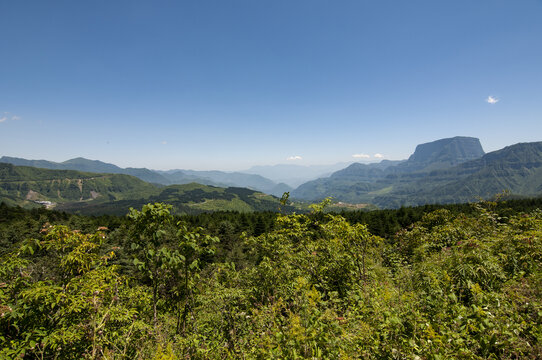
(190, 198)
(24, 186)
(92, 193)
(85, 165)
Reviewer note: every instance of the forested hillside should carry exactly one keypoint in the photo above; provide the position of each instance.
(187, 199)
(457, 282)
(114, 194)
(22, 185)
(95, 166)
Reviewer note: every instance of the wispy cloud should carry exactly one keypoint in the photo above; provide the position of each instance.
(294, 158)
(164, 142)
(6, 116)
(492, 100)
(378, 156)
(361, 156)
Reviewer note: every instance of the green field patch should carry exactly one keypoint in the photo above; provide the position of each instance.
(382, 191)
(224, 205)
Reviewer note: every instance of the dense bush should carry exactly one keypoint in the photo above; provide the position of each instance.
(453, 284)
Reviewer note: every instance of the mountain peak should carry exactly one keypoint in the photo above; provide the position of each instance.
(448, 152)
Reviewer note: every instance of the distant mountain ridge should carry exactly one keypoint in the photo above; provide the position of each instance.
(86, 165)
(444, 171)
(294, 175)
(214, 178)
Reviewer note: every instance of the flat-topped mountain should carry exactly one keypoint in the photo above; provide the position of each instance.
(456, 150)
(445, 153)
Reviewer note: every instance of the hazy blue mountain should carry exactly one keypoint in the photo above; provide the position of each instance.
(352, 184)
(279, 189)
(181, 177)
(366, 172)
(83, 164)
(295, 175)
(44, 164)
(237, 179)
(144, 174)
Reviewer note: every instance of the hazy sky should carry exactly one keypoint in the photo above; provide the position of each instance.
(228, 84)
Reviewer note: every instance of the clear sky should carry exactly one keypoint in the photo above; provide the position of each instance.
(226, 84)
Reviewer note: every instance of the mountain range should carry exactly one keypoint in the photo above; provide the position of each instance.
(449, 170)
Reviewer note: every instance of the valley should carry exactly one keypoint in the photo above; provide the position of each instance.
(452, 170)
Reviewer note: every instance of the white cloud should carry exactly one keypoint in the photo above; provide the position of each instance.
(293, 158)
(7, 117)
(164, 142)
(361, 156)
(492, 100)
(378, 156)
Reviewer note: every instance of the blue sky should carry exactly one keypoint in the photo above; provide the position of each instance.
(228, 84)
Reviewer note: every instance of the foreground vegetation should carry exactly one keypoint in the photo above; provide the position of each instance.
(462, 282)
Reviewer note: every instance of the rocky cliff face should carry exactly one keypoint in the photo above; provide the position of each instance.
(446, 152)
